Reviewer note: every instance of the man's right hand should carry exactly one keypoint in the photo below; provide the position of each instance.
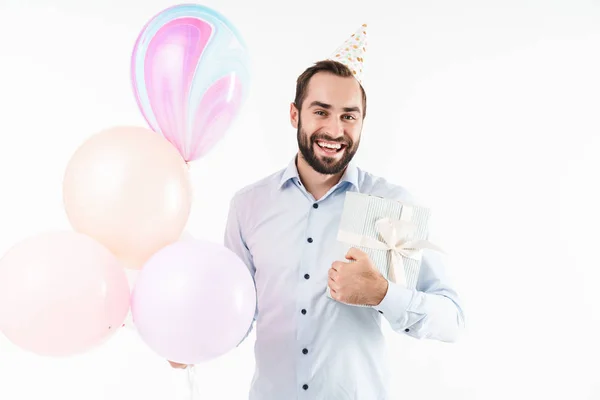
(177, 365)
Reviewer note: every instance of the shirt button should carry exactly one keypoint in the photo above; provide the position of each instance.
(306, 276)
(407, 330)
(309, 240)
(303, 311)
(315, 205)
(305, 386)
(304, 351)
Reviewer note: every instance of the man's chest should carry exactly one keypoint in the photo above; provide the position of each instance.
(296, 243)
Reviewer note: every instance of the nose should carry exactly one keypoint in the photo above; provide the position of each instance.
(335, 128)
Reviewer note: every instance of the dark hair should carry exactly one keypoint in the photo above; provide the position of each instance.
(330, 66)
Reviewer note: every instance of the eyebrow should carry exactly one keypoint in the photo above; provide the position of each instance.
(328, 106)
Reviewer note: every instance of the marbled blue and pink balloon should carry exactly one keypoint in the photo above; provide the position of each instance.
(190, 73)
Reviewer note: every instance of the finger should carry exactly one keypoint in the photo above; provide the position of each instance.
(178, 365)
(337, 265)
(332, 285)
(335, 295)
(355, 254)
(332, 274)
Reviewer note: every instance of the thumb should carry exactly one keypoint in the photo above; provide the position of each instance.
(355, 254)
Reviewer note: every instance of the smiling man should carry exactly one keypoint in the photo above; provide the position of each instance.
(284, 227)
(328, 115)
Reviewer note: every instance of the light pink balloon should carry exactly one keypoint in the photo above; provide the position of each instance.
(61, 294)
(132, 276)
(193, 301)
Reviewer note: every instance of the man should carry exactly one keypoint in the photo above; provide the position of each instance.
(284, 227)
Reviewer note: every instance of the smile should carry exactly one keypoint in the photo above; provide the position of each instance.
(330, 147)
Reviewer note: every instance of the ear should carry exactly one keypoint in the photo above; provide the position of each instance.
(294, 115)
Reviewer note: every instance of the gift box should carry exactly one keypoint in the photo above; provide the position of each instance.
(393, 235)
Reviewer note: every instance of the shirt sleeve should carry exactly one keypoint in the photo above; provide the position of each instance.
(430, 311)
(234, 241)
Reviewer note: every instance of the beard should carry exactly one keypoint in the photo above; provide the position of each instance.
(325, 165)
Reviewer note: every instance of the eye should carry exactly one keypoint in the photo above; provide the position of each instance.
(320, 112)
(349, 117)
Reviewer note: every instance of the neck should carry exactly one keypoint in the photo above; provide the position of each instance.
(315, 183)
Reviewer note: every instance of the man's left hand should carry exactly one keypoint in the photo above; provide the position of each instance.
(358, 281)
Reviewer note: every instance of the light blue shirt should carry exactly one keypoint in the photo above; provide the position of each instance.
(309, 346)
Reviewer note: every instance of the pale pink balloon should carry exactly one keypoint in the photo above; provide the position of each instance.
(133, 275)
(128, 188)
(193, 302)
(61, 294)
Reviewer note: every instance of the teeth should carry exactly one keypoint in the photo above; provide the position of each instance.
(330, 146)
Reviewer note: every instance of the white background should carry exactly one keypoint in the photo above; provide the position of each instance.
(488, 110)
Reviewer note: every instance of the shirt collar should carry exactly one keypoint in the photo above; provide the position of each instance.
(291, 173)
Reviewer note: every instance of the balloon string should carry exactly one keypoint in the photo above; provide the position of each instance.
(194, 395)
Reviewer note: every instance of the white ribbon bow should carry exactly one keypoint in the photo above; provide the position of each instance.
(396, 237)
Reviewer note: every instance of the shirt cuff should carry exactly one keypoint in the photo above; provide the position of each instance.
(396, 301)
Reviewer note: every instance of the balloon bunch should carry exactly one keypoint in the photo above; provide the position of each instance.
(127, 195)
